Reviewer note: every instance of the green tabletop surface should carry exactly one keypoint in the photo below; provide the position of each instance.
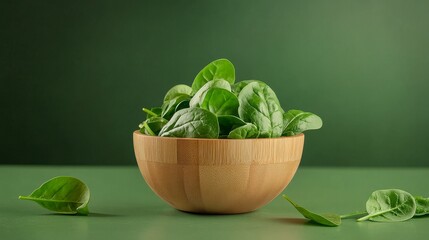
(123, 207)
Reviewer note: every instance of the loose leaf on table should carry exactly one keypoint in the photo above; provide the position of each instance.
(353, 214)
(192, 123)
(66, 195)
(297, 121)
(259, 105)
(200, 94)
(218, 69)
(177, 91)
(247, 131)
(422, 206)
(327, 219)
(169, 107)
(390, 205)
(227, 123)
(220, 102)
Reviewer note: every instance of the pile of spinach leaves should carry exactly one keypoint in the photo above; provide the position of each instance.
(217, 107)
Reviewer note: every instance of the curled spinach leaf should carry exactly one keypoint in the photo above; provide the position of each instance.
(259, 105)
(177, 91)
(169, 107)
(66, 195)
(327, 219)
(200, 94)
(192, 123)
(227, 123)
(247, 131)
(422, 206)
(220, 102)
(153, 125)
(237, 87)
(297, 121)
(390, 205)
(183, 104)
(218, 69)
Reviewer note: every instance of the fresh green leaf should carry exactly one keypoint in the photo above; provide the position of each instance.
(227, 123)
(422, 206)
(259, 105)
(220, 102)
(327, 219)
(177, 91)
(218, 69)
(153, 125)
(390, 205)
(66, 195)
(297, 121)
(183, 104)
(247, 131)
(237, 87)
(353, 214)
(192, 123)
(200, 94)
(169, 107)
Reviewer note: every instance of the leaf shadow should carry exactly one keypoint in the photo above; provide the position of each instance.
(103, 215)
(296, 221)
(79, 215)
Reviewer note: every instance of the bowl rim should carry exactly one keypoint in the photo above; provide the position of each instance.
(137, 132)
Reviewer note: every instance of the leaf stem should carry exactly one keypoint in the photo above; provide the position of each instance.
(149, 112)
(146, 126)
(353, 214)
(46, 200)
(375, 214)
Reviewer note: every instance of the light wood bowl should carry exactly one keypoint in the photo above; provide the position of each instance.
(218, 176)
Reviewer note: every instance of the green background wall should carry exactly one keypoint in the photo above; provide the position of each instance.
(75, 75)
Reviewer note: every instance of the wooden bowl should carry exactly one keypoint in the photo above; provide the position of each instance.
(219, 176)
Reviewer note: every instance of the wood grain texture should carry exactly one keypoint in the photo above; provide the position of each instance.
(218, 176)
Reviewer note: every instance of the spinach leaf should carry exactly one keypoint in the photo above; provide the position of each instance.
(422, 206)
(390, 205)
(297, 121)
(153, 125)
(218, 69)
(247, 131)
(227, 123)
(353, 214)
(183, 104)
(66, 195)
(259, 105)
(237, 87)
(327, 219)
(220, 102)
(169, 107)
(200, 94)
(192, 123)
(176, 91)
